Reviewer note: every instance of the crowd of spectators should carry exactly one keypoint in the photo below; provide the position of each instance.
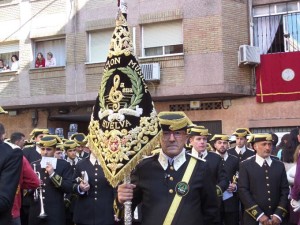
(40, 62)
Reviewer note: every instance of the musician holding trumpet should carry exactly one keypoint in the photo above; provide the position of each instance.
(56, 177)
(230, 204)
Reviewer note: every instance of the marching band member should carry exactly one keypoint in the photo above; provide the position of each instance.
(230, 203)
(56, 177)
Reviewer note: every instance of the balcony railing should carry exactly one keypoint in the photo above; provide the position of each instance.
(277, 33)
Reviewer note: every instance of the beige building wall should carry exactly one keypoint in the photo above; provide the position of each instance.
(207, 71)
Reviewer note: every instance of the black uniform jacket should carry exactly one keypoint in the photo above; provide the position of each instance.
(263, 190)
(53, 193)
(219, 175)
(248, 153)
(10, 170)
(95, 206)
(231, 166)
(155, 189)
(31, 154)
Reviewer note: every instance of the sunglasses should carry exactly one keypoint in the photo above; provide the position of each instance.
(47, 149)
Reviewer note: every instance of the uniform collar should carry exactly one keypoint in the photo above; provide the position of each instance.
(240, 150)
(260, 161)
(71, 161)
(37, 148)
(12, 145)
(178, 160)
(225, 156)
(81, 154)
(93, 159)
(196, 154)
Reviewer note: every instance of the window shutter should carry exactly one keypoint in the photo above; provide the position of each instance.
(162, 34)
(99, 45)
(9, 47)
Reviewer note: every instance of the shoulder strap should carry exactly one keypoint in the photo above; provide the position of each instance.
(177, 198)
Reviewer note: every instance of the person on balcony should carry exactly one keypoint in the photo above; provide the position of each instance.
(50, 61)
(40, 61)
(14, 63)
(3, 67)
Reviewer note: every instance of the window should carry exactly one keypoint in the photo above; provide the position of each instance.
(277, 27)
(7, 50)
(99, 45)
(55, 46)
(162, 39)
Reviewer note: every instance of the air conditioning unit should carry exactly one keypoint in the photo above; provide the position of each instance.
(151, 71)
(248, 55)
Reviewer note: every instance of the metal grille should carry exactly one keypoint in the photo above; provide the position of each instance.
(203, 106)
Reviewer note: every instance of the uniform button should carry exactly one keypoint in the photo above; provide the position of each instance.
(45, 178)
(266, 171)
(270, 207)
(267, 178)
(268, 184)
(43, 197)
(96, 174)
(171, 191)
(96, 186)
(46, 171)
(43, 190)
(96, 180)
(171, 168)
(95, 192)
(269, 192)
(171, 178)
(96, 168)
(269, 199)
(95, 199)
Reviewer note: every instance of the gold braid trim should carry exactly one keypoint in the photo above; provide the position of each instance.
(174, 124)
(252, 211)
(201, 131)
(283, 209)
(56, 179)
(219, 191)
(115, 180)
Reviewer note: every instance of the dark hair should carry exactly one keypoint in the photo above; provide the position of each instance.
(275, 139)
(291, 145)
(16, 136)
(2, 132)
(50, 54)
(39, 53)
(17, 58)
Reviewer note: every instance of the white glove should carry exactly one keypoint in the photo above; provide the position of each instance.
(296, 205)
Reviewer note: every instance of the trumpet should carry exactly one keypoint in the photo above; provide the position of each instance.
(38, 194)
(235, 177)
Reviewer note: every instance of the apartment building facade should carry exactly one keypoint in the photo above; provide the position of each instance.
(190, 49)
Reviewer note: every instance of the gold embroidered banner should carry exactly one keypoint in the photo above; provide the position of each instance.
(124, 124)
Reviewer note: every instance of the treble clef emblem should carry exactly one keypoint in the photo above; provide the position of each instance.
(115, 96)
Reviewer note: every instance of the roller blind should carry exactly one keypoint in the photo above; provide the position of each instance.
(162, 34)
(99, 45)
(9, 47)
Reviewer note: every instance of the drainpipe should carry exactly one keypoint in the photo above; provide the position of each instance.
(251, 25)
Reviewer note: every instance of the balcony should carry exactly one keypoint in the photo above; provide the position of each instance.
(277, 33)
